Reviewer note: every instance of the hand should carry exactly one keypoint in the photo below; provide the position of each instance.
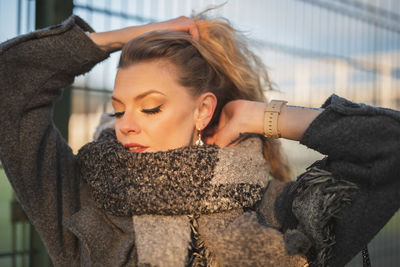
(244, 116)
(182, 23)
(114, 40)
(238, 116)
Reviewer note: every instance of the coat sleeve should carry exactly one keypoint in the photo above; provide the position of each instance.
(362, 144)
(37, 160)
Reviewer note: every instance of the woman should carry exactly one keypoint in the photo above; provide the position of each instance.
(185, 204)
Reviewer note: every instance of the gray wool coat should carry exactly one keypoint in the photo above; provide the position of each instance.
(362, 144)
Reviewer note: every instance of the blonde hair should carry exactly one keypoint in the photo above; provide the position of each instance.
(220, 62)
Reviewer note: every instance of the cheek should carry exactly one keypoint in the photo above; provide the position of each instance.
(173, 129)
(177, 123)
(118, 132)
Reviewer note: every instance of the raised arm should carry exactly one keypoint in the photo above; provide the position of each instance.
(244, 116)
(38, 161)
(114, 40)
(362, 142)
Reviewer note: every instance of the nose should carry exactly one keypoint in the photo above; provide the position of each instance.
(128, 124)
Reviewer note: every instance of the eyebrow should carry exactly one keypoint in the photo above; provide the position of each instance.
(140, 96)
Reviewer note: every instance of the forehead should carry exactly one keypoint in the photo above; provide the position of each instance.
(157, 75)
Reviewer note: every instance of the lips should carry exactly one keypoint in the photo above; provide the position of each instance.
(133, 147)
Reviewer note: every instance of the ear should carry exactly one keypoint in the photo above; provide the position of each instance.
(205, 109)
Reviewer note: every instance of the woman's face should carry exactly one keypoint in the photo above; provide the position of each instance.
(153, 111)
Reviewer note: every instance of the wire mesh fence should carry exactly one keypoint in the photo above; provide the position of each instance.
(15, 250)
(313, 48)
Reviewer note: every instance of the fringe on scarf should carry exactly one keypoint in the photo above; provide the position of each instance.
(199, 254)
(336, 193)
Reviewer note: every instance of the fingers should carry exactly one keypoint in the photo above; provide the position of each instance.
(201, 26)
(189, 25)
(224, 136)
(192, 27)
(210, 140)
(194, 32)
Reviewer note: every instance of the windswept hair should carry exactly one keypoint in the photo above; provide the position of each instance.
(220, 62)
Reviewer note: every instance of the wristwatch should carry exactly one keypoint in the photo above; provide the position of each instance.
(271, 113)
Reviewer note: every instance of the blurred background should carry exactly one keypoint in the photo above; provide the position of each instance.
(313, 48)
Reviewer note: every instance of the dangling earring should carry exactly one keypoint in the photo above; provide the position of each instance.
(199, 142)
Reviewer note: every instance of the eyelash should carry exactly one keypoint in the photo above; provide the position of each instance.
(117, 114)
(147, 111)
(152, 110)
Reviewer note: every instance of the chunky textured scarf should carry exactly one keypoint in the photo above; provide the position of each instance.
(189, 180)
(187, 204)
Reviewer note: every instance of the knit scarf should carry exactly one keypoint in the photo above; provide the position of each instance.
(189, 180)
(174, 195)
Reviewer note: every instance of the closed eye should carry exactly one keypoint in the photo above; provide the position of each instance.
(117, 114)
(152, 110)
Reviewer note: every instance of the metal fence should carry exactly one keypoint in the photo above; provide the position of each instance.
(15, 230)
(313, 48)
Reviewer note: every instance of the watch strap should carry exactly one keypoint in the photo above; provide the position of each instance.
(271, 113)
